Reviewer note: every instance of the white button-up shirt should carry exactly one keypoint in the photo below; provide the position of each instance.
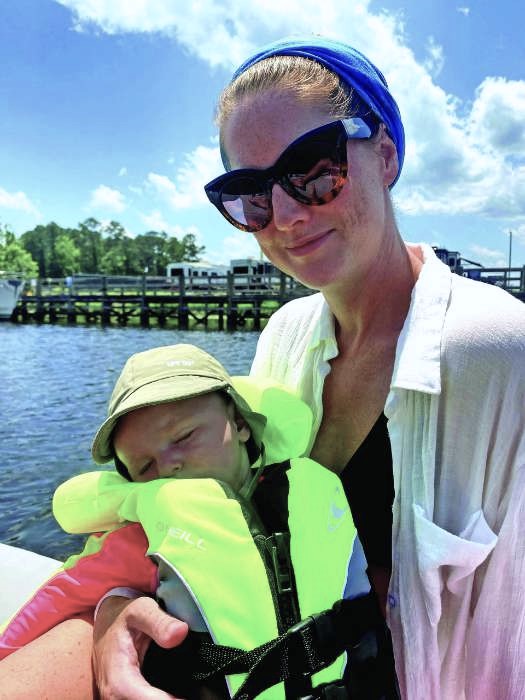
(456, 411)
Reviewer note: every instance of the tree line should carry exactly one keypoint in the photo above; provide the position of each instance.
(92, 247)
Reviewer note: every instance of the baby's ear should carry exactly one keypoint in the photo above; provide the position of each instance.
(243, 429)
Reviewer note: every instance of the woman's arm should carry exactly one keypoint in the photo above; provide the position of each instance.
(56, 665)
(122, 633)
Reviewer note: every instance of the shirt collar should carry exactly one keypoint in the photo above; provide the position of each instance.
(323, 324)
(418, 352)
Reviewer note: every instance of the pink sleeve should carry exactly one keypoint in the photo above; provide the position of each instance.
(113, 559)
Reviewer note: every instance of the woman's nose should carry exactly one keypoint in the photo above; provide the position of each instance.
(287, 212)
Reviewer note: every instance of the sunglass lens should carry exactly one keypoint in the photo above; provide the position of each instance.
(315, 170)
(246, 203)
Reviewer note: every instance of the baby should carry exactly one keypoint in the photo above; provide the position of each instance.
(229, 533)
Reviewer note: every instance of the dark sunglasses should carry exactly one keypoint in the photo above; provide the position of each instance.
(312, 170)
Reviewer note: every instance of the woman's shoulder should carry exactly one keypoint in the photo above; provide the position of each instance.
(287, 336)
(295, 320)
(483, 340)
(484, 316)
(300, 309)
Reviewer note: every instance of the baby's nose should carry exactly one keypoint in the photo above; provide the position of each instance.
(170, 468)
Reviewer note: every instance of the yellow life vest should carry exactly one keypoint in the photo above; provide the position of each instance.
(211, 539)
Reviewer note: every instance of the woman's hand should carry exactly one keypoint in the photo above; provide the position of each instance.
(122, 633)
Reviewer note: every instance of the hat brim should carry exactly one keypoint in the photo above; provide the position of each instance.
(152, 394)
(166, 391)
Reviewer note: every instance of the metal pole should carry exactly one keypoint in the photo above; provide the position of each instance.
(510, 249)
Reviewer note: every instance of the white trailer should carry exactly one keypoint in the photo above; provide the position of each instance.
(196, 275)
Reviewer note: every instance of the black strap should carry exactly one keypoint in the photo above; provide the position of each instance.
(305, 649)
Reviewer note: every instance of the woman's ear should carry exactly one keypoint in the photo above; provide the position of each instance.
(388, 152)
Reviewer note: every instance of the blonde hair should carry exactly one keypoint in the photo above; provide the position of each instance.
(308, 80)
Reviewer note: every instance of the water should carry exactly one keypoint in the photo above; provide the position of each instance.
(55, 382)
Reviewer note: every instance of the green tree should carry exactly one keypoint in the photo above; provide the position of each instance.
(94, 247)
(88, 240)
(151, 252)
(113, 262)
(13, 256)
(192, 252)
(41, 243)
(67, 255)
(118, 253)
(185, 249)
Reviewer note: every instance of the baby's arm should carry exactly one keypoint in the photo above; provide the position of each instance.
(117, 558)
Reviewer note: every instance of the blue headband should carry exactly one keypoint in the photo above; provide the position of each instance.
(353, 68)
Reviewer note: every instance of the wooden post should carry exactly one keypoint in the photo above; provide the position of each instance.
(70, 306)
(282, 287)
(24, 312)
(144, 310)
(182, 311)
(105, 315)
(40, 311)
(231, 309)
(256, 315)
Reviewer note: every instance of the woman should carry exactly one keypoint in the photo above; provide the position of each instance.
(392, 336)
(392, 331)
(415, 375)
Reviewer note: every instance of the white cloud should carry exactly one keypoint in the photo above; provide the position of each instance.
(498, 115)
(106, 198)
(18, 201)
(155, 221)
(462, 160)
(462, 157)
(198, 167)
(223, 34)
(518, 232)
(489, 257)
(236, 245)
(123, 171)
(435, 59)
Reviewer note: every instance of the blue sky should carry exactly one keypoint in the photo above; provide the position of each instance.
(106, 110)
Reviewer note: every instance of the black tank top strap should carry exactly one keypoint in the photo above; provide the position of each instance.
(368, 481)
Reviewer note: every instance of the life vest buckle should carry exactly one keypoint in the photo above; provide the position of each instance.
(282, 565)
(313, 644)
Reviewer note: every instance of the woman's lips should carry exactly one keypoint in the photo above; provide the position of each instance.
(307, 245)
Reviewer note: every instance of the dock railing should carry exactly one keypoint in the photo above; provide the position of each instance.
(268, 284)
(512, 279)
(228, 302)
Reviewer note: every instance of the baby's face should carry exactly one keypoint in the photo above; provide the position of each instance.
(186, 439)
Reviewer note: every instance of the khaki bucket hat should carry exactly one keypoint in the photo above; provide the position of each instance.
(165, 374)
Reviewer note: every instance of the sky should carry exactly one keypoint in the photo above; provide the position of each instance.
(107, 107)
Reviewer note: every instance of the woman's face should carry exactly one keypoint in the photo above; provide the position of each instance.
(321, 246)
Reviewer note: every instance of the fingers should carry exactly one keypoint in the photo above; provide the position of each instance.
(144, 614)
(128, 684)
(123, 631)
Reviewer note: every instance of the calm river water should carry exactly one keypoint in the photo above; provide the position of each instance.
(54, 386)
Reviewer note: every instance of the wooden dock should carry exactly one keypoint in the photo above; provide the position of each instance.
(221, 304)
(230, 303)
